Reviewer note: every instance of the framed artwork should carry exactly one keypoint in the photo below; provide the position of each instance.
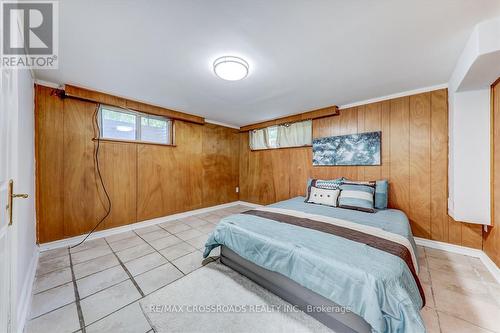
(352, 149)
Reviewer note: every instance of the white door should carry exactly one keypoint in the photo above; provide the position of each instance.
(8, 123)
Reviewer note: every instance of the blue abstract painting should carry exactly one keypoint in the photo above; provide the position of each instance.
(352, 149)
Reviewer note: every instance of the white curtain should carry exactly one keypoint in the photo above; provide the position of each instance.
(258, 139)
(295, 134)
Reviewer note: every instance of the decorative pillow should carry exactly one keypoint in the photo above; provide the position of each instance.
(330, 184)
(381, 194)
(357, 195)
(381, 191)
(323, 196)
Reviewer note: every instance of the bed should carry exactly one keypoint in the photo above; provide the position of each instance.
(362, 265)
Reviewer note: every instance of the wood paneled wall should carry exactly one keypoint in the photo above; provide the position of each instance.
(491, 239)
(209, 162)
(414, 160)
(144, 181)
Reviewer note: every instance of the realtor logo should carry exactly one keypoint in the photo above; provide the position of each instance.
(29, 34)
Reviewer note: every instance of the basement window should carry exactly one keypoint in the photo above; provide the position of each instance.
(298, 134)
(133, 126)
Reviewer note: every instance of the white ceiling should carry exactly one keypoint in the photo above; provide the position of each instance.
(302, 54)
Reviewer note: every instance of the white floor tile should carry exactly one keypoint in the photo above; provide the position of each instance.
(99, 281)
(212, 218)
(95, 265)
(188, 234)
(198, 242)
(89, 254)
(130, 319)
(175, 226)
(189, 262)
(143, 264)
(63, 320)
(52, 279)
(53, 264)
(89, 244)
(207, 228)
(120, 236)
(151, 236)
(178, 250)
(51, 254)
(194, 221)
(126, 243)
(52, 299)
(107, 301)
(157, 278)
(165, 242)
(145, 230)
(134, 252)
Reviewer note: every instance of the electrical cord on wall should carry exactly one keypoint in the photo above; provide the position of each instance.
(95, 125)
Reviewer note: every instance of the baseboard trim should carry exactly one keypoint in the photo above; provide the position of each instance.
(113, 231)
(490, 265)
(24, 304)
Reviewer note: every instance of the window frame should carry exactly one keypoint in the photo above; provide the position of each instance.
(138, 126)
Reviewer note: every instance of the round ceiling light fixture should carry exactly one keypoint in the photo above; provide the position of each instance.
(231, 68)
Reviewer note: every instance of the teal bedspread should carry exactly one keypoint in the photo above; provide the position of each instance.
(376, 285)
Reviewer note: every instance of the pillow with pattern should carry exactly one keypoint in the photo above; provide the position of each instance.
(322, 196)
(330, 184)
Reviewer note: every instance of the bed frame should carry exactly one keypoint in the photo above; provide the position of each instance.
(293, 293)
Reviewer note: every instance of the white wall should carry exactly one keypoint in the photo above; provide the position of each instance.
(469, 125)
(24, 209)
(469, 162)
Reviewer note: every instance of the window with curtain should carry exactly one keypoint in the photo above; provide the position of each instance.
(296, 134)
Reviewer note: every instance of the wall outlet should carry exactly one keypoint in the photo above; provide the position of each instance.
(237, 189)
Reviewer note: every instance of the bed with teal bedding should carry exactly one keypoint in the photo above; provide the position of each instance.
(377, 285)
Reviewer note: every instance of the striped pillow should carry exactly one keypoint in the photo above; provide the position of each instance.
(357, 195)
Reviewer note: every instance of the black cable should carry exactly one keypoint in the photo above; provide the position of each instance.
(96, 160)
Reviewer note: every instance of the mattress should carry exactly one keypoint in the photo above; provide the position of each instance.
(375, 285)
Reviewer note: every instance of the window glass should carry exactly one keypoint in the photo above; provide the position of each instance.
(120, 124)
(154, 130)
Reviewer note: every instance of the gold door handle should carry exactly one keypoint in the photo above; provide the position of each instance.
(11, 197)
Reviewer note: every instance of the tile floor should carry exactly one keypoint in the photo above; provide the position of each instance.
(462, 296)
(96, 287)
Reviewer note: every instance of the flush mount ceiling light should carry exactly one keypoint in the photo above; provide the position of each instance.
(231, 68)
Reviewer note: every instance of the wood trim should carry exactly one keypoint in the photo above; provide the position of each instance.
(492, 152)
(315, 114)
(99, 97)
(278, 148)
(134, 142)
(37, 164)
